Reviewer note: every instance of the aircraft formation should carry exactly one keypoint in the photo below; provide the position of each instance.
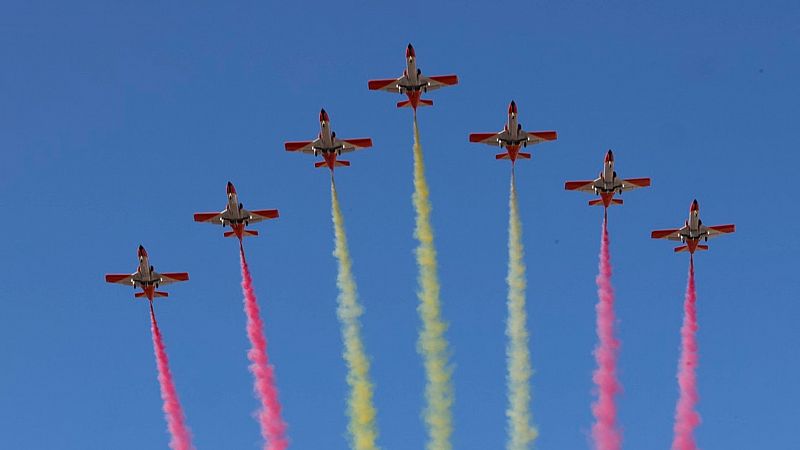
(513, 141)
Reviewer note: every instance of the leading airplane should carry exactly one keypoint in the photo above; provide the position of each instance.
(692, 232)
(512, 137)
(413, 83)
(235, 216)
(328, 145)
(607, 184)
(147, 278)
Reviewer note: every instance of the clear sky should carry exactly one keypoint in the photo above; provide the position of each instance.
(118, 120)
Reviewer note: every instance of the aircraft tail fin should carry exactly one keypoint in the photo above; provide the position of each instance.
(160, 294)
(320, 164)
(245, 233)
(702, 247)
(425, 102)
(522, 155)
(139, 294)
(422, 102)
(342, 163)
(502, 156)
(596, 202)
(616, 201)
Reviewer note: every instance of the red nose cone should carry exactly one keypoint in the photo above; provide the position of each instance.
(142, 252)
(695, 207)
(323, 116)
(230, 189)
(610, 156)
(512, 108)
(410, 51)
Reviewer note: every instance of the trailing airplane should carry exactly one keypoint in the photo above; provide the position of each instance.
(692, 232)
(512, 137)
(147, 278)
(235, 216)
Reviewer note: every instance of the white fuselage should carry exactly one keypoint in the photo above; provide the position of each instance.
(516, 135)
(144, 273)
(607, 182)
(326, 141)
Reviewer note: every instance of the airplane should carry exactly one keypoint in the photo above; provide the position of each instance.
(413, 83)
(328, 145)
(513, 137)
(235, 216)
(147, 278)
(607, 184)
(692, 232)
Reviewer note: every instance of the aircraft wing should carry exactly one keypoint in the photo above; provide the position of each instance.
(119, 278)
(261, 214)
(439, 81)
(635, 183)
(486, 138)
(535, 137)
(301, 146)
(208, 217)
(717, 230)
(172, 277)
(672, 235)
(583, 186)
(389, 85)
(351, 145)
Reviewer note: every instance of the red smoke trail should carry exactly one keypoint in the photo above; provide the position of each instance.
(605, 433)
(181, 438)
(273, 428)
(686, 418)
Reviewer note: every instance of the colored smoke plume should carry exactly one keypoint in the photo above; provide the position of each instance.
(273, 428)
(360, 408)
(522, 432)
(605, 432)
(686, 417)
(432, 343)
(181, 438)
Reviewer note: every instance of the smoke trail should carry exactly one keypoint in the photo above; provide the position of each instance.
(522, 433)
(273, 429)
(432, 343)
(181, 437)
(686, 417)
(605, 433)
(360, 409)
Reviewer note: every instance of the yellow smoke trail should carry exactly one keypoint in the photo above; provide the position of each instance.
(432, 343)
(522, 433)
(360, 409)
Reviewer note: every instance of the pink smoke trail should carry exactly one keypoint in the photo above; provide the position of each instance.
(605, 432)
(686, 417)
(181, 437)
(273, 428)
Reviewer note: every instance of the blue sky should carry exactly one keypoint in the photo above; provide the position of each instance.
(118, 121)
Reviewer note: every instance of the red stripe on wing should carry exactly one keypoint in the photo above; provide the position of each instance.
(724, 228)
(660, 234)
(177, 276)
(360, 142)
(480, 137)
(115, 277)
(267, 213)
(294, 146)
(572, 185)
(643, 182)
(380, 84)
(546, 135)
(449, 80)
(204, 217)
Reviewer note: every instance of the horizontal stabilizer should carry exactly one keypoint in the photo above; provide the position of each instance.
(502, 156)
(320, 164)
(522, 155)
(404, 104)
(160, 294)
(425, 102)
(139, 294)
(596, 202)
(616, 201)
(244, 233)
(702, 247)
(342, 164)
